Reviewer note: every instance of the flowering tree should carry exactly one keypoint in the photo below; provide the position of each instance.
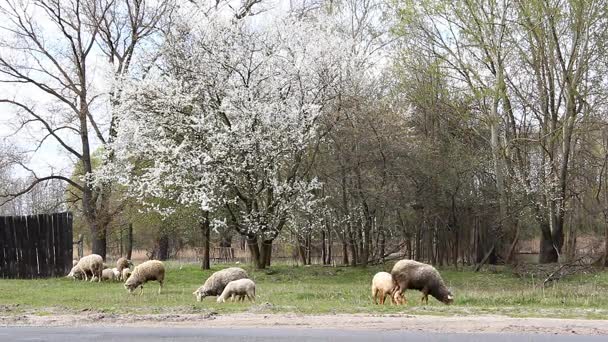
(229, 121)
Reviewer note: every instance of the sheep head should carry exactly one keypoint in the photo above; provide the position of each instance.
(200, 293)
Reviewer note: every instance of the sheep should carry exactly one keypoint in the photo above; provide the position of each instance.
(215, 284)
(147, 271)
(123, 263)
(410, 274)
(116, 273)
(126, 273)
(382, 286)
(76, 273)
(92, 264)
(241, 288)
(107, 274)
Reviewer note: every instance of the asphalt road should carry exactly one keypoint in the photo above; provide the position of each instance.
(61, 334)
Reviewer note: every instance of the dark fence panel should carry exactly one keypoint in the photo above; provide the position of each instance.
(38, 246)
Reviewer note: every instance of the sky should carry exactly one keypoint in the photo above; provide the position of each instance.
(51, 157)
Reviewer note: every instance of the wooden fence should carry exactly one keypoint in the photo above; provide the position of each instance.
(38, 246)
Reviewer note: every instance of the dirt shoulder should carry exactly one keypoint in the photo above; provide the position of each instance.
(422, 323)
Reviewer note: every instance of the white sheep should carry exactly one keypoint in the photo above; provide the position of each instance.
(107, 274)
(382, 286)
(215, 284)
(90, 264)
(125, 274)
(240, 288)
(147, 271)
(76, 274)
(123, 263)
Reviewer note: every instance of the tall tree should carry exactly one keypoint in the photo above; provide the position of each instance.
(51, 48)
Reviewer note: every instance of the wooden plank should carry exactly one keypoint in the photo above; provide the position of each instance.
(58, 244)
(42, 247)
(14, 251)
(57, 266)
(30, 252)
(48, 233)
(34, 231)
(68, 251)
(5, 241)
(21, 239)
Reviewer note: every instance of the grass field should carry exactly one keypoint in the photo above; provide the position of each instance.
(316, 289)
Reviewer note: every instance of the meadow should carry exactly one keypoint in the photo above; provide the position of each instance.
(314, 290)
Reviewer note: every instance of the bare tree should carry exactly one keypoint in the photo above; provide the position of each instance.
(51, 48)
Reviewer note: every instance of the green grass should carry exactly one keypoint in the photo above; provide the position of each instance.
(316, 289)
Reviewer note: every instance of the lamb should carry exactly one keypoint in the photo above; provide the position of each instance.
(107, 274)
(410, 274)
(92, 264)
(241, 288)
(215, 284)
(382, 286)
(116, 273)
(126, 273)
(147, 271)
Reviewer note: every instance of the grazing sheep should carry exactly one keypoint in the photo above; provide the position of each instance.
(123, 263)
(76, 273)
(90, 264)
(240, 288)
(126, 273)
(107, 274)
(147, 271)
(382, 286)
(215, 284)
(410, 274)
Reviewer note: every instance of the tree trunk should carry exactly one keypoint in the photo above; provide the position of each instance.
(301, 252)
(206, 231)
(163, 246)
(323, 247)
(254, 251)
(266, 254)
(98, 240)
(344, 251)
(329, 247)
(367, 241)
(130, 241)
(548, 254)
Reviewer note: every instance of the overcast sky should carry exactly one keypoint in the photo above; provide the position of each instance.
(51, 156)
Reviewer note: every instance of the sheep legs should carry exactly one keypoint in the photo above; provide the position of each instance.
(251, 297)
(425, 296)
(160, 286)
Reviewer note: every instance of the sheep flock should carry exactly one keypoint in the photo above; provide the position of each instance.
(234, 282)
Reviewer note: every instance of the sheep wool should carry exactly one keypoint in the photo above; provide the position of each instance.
(107, 274)
(148, 271)
(126, 273)
(122, 263)
(215, 284)
(410, 274)
(90, 264)
(238, 288)
(382, 286)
